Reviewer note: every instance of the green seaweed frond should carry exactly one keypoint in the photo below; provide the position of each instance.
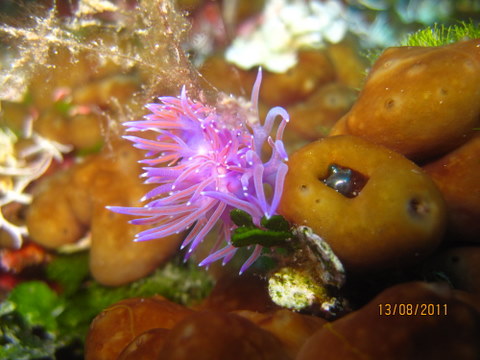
(275, 231)
(438, 35)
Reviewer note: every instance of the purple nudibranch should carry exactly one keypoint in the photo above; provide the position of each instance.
(207, 163)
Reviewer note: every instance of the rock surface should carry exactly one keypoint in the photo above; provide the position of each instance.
(396, 218)
(419, 101)
(444, 327)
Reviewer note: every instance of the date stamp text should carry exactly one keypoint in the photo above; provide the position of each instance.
(412, 309)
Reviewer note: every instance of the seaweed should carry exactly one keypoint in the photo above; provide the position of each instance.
(435, 35)
(36, 321)
(439, 34)
(148, 40)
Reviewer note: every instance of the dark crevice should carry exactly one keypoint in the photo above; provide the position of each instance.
(344, 180)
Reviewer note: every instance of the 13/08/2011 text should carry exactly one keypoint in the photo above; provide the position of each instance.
(412, 309)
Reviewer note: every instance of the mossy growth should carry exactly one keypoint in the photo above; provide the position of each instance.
(438, 35)
(296, 289)
(435, 35)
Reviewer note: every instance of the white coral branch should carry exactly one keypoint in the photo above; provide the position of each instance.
(19, 169)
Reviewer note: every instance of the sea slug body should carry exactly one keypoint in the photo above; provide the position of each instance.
(206, 164)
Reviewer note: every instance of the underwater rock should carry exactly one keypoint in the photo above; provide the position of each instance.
(459, 266)
(71, 103)
(175, 332)
(431, 321)
(291, 328)
(147, 345)
(207, 335)
(227, 77)
(77, 198)
(115, 258)
(53, 197)
(78, 115)
(245, 292)
(103, 92)
(419, 101)
(314, 69)
(64, 73)
(349, 65)
(82, 131)
(390, 215)
(313, 118)
(457, 175)
(116, 326)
